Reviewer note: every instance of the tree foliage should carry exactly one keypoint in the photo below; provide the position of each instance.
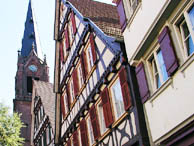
(10, 126)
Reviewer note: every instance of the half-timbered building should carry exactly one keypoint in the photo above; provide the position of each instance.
(160, 36)
(43, 114)
(94, 85)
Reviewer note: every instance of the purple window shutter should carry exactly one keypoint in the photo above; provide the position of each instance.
(142, 82)
(168, 53)
(121, 12)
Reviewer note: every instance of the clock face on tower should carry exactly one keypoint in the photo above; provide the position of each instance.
(33, 68)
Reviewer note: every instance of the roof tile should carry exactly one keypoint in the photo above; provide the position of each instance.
(104, 15)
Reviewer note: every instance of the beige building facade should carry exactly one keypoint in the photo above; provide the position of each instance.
(159, 38)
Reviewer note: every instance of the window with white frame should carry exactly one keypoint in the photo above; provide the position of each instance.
(90, 131)
(101, 118)
(65, 102)
(47, 135)
(117, 98)
(70, 27)
(64, 49)
(79, 137)
(89, 57)
(80, 75)
(72, 91)
(133, 5)
(158, 69)
(185, 27)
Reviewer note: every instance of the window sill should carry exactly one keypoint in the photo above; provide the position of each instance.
(161, 89)
(118, 121)
(104, 134)
(72, 104)
(186, 64)
(90, 73)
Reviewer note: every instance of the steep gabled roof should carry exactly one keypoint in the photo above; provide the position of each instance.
(31, 39)
(105, 16)
(45, 91)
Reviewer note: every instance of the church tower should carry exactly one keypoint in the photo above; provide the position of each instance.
(31, 66)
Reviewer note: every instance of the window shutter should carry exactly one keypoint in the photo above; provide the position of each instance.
(95, 123)
(84, 64)
(92, 43)
(168, 53)
(75, 82)
(106, 108)
(83, 67)
(61, 51)
(62, 106)
(69, 142)
(73, 22)
(68, 95)
(84, 135)
(75, 139)
(142, 82)
(67, 39)
(121, 12)
(125, 88)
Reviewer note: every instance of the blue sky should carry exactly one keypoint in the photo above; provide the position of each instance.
(13, 16)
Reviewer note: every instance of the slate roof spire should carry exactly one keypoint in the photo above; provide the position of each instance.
(30, 39)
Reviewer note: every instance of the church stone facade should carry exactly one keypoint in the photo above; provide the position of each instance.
(30, 66)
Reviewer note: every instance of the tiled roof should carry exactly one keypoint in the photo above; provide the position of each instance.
(45, 91)
(105, 16)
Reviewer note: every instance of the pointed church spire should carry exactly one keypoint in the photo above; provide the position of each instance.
(30, 39)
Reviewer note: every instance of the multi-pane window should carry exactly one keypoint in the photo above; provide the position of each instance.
(90, 58)
(101, 118)
(186, 27)
(186, 38)
(65, 102)
(70, 28)
(64, 49)
(41, 112)
(133, 4)
(80, 75)
(44, 139)
(79, 137)
(90, 132)
(158, 69)
(126, 9)
(72, 90)
(47, 135)
(117, 99)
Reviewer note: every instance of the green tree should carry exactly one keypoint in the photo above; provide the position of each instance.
(10, 125)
